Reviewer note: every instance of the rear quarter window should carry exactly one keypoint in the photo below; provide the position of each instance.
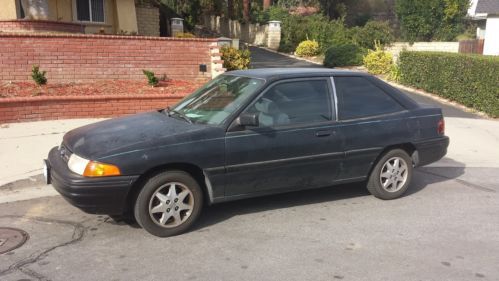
(358, 98)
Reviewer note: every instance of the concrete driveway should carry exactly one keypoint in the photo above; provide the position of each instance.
(445, 228)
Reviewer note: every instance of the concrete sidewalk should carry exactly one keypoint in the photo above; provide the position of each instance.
(23, 146)
(474, 143)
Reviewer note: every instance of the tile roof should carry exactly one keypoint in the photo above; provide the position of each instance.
(487, 7)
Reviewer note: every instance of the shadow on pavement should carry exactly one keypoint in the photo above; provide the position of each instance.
(421, 179)
(217, 213)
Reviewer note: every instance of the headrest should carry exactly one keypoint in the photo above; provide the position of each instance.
(266, 106)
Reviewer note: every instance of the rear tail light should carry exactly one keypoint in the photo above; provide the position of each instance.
(441, 127)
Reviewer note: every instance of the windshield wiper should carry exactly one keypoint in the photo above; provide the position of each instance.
(180, 114)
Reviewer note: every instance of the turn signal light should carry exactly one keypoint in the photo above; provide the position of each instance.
(96, 169)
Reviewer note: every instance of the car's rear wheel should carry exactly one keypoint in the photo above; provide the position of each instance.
(391, 176)
(169, 203)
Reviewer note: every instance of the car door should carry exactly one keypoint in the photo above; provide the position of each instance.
(370, 121)
(296, 144)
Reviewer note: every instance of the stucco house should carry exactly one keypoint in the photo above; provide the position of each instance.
(486, 14)
(81, 16)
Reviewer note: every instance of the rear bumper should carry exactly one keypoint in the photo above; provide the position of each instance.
(432, 150)
(106, 195)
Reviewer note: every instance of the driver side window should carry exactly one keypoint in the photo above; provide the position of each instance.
(294, 102)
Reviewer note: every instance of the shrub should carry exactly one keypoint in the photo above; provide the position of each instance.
(431, 19)
(307, 48)
(295, 29)
(344, 55)
(394, 74)
(38, 76)
(471, 80)
(235, 59)
(373, 31)
(151, 78)
(184, 35)
(378, 61)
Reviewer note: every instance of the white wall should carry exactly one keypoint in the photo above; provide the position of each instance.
(250, 33)
(396, 48)
(491, 44)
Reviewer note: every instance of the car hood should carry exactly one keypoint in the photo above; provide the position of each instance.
(136, 132)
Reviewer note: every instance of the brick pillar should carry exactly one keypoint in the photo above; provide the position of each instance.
(147, 18)
(274, 34)
(216, 67)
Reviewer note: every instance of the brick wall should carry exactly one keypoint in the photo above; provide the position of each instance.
(40, 26)
(50, 108)
(148, 21)
(80, 58)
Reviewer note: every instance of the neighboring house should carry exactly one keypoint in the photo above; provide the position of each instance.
(486, 14)
(84, 16)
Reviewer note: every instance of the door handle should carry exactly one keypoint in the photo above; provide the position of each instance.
(322, 133)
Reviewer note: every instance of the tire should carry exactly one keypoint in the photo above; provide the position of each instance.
(169, 203)
(387, 181)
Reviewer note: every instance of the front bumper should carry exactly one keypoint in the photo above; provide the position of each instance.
(105, 195)
(432, 150)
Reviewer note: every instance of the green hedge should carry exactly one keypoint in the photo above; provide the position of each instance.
(472, 80)
(344, 55)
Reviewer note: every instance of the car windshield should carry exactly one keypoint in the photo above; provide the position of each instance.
(218, 99)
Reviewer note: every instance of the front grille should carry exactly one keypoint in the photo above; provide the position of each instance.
(64, 152)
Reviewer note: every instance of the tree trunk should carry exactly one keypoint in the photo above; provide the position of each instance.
(246, 10)
(267, 4)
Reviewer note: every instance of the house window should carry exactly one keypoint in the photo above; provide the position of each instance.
(20, 10)
(90, 10)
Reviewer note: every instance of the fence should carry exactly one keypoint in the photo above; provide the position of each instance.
(471, 46)
(268, 35)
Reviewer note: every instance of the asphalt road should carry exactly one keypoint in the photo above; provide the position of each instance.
(445, 228)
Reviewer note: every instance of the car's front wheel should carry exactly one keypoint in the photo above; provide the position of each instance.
(169, 203)
(391, 176)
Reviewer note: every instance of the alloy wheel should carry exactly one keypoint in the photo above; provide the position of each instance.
(393, 174)
(171, 205)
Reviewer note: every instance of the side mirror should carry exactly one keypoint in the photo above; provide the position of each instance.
(247, 119)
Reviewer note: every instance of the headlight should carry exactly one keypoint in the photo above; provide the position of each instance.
(87, 168)
(77, 164)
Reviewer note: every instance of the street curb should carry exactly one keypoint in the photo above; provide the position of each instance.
(438, 98)
(24, 183)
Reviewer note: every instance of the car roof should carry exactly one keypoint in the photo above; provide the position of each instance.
(279, 73)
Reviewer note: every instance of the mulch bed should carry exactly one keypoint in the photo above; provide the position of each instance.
(99, 88)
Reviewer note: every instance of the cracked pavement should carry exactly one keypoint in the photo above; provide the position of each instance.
(443, 229)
